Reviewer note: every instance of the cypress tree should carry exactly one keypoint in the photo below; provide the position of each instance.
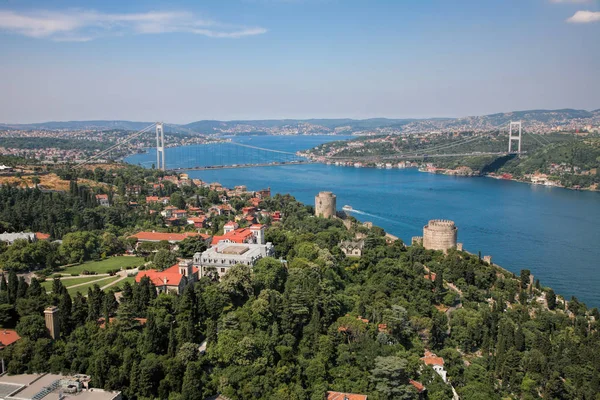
(13, 286)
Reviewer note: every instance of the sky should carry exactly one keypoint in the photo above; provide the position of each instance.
(184, 60)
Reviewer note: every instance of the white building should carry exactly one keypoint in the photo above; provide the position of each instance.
(223, 256)
(11, 237)
(51, 387)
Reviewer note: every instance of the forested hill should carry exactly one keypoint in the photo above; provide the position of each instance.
(290, 329)
(542, 119)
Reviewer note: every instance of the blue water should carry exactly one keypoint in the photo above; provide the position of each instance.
(551, 231)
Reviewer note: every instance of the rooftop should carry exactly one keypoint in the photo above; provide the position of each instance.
(171, 237)
(48, 386)
(345, 396)
(8, 337)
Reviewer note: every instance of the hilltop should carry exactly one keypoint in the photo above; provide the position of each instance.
(535, 120)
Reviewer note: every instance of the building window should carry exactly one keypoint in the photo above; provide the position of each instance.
(222, 270)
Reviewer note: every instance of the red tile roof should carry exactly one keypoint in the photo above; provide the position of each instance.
(345, 396)
(418, 385)
(42, 236)
(160, 278)
(171, 237)
(8, 337)
(240, 235)
(432, 359)
(102, 196)
(433, 275)
(174, 269)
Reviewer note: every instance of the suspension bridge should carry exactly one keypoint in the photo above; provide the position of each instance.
(220, 153)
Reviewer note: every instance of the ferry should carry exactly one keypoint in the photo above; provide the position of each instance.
(347, 208)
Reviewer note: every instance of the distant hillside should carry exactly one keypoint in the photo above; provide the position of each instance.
(80, 125)
(538, 120)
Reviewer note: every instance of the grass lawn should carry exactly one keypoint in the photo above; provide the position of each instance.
(83, 289)
(101, 267)
(71, 282)
(130, 279)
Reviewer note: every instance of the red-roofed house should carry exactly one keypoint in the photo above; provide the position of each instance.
(172, 279)
(345, 396)
(168, 211)
(102, 200)
(172, 238)
(8, 337)
(233, 234)
(156, 199)
(198, 222)
(437, 363)
(255, 201)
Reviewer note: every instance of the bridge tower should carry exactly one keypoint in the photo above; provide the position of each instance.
(515, 126)
(160, 147)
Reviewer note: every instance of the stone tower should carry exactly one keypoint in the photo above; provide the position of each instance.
(325, 205)
(440, 234)
(52, 323)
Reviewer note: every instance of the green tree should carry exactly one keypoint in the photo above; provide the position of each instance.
(32, 327)
(391, 378)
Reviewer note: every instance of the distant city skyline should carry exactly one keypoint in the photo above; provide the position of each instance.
(273, 59)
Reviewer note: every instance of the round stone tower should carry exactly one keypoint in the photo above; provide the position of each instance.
(325, 205)
(440, 234)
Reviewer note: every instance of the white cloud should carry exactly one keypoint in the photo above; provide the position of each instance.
(584, 17)
(81, 25)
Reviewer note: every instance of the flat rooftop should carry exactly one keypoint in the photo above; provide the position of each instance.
(26, 386)
(235, 250)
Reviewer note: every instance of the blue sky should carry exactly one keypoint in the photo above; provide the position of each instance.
(183, 61)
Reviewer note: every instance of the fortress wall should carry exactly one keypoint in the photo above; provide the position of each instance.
(440, 235)
(325, 205)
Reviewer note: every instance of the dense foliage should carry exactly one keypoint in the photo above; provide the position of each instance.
(296, 328)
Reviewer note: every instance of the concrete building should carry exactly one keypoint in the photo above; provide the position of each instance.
(52, 322)
(11, 237)
(352, 248)
(51, 387)
(439, 235)
(224, 255)
(325, 205)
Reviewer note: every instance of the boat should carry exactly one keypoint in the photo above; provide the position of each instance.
(347, 208)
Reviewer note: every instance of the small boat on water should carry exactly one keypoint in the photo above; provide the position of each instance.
(347, 208)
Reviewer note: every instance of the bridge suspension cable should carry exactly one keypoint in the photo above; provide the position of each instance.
(117, 145)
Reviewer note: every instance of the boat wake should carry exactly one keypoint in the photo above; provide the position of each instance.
(354, 211)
